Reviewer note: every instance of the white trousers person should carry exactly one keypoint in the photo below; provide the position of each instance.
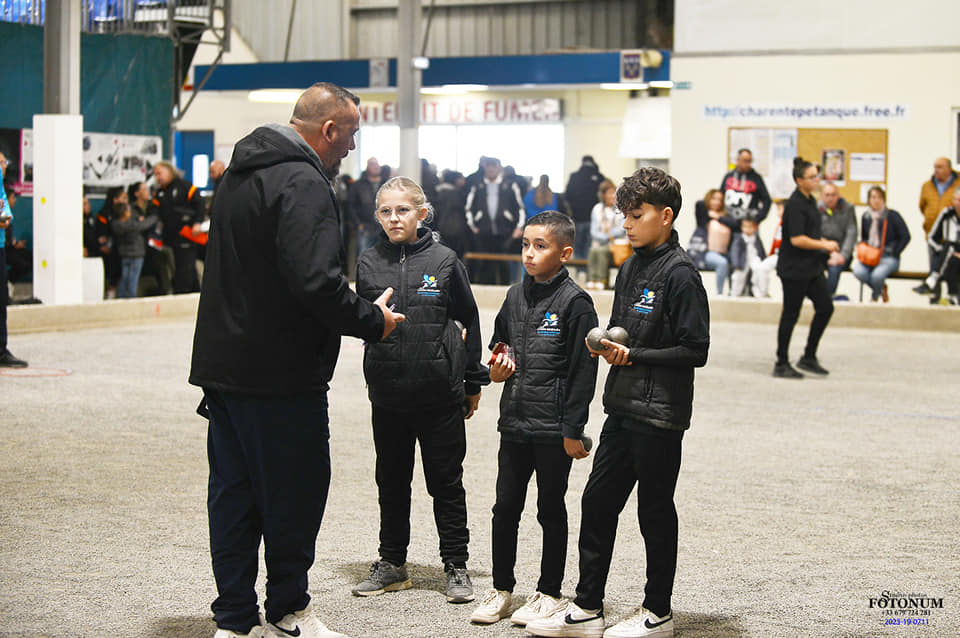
(761, 276)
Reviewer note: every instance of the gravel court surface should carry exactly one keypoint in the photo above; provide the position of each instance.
(798, 501)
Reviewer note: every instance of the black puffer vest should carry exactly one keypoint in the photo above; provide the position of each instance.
(655, 395)
(421, 363)
(531, 405)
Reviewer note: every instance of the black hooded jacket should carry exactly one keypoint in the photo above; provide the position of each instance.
(274, 299)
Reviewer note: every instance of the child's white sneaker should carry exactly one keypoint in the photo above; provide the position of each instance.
(569, 621)
(255, 632)
(301, 623)
(642, 624)
(493, 607)
(537, 606)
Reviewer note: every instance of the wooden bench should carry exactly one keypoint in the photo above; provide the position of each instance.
(901, 274)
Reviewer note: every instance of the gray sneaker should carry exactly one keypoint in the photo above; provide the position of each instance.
(383, 577)
(459, 587)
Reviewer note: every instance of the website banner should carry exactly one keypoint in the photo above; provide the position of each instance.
(797, 113)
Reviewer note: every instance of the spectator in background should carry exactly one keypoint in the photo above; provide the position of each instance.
(510, 175)
(19, 259)
(495, 215)
(719, 226)
(348, 232)
(839, 223)
(181, 210)
(541, 198)
(91, 247)
(945, 241)
(116, 195)
(935, 195)
(158, 258)
(769, 264)
(448, 207)
(7, 360)
(361, 202)
(884, 228)
(216, 174)
(131, 246)
(429, 179)
(746, 255)
(744, 191)
(581, 196)
(605, 225)
(476, 177)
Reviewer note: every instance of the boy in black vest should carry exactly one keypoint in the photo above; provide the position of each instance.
(648, 397)
(543, 409)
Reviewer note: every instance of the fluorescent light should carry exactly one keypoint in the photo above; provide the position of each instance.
(661, 84)
(634, 86)
(275, 96)
(453, 89)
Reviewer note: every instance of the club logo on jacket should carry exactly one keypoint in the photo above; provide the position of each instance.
(550, 326)
(428, 287)
(645, 303)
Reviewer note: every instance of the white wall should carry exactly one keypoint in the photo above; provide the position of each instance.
(762, 25)
(926, 82)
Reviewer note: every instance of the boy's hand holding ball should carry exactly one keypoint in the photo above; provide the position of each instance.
(610, 344)
(502, 368)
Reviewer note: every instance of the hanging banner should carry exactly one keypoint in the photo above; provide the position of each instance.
(470, 111)
(109, 159)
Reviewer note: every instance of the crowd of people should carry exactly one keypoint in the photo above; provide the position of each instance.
(726, 238)
(484, 212)
(157, 234)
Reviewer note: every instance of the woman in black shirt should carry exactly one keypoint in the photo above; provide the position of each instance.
(803, 256)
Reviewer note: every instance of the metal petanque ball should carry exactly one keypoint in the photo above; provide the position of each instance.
(618, 335)
(594, 337)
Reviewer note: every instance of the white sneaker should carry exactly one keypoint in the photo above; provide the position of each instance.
(255, 632)
(493, 606)
(568, 621)
(642, 624)
(301, 623)
(537, 606)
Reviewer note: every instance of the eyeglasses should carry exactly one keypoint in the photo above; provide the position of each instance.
(402, 212)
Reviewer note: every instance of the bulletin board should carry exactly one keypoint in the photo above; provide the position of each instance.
(855, 159)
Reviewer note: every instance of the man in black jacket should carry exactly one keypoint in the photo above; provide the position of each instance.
(582, 194)
(273, 306)
(744, 191)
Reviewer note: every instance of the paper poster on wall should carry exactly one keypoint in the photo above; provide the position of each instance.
(833, 165)
(780, 182)
(773, 151)
(17, 147)
(868, 167)
(118, 160)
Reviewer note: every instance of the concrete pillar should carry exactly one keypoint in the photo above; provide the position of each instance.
(61, 58)
(410, 30)
(57, 209)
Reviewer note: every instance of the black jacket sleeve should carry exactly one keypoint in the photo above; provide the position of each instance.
(499, 331)
(689, 315)
(463, 308)
(901, 234)
(763, 200)
(308, 253)
(581, 379)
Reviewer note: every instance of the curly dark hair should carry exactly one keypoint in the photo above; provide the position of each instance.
(652, 186)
